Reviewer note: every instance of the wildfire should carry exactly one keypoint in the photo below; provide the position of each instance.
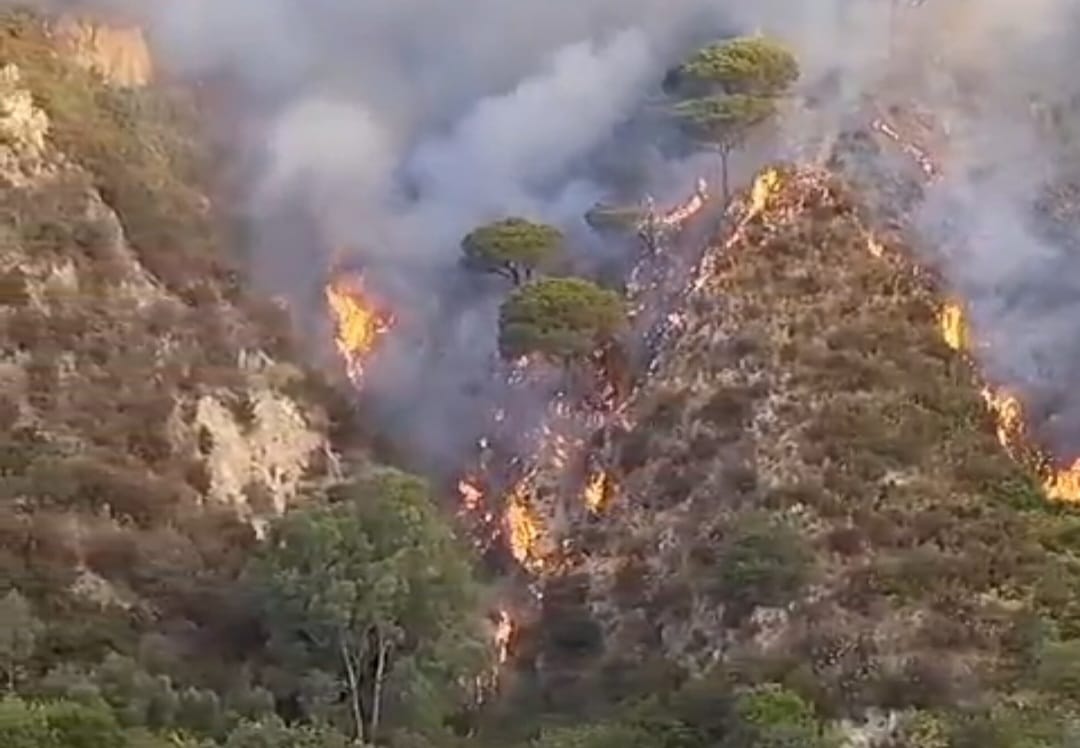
(523, 528)
(598, 491)
(764, 187)
(358, 324)
(1008, 412)
(874, 247)
(920, 156)
(470, 495)
(681, 213)
(953, 329)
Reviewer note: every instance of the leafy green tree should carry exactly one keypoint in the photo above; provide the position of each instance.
(80, 726)
(19, 632)
(139, 699)
(561, 318)
(752, 65)
(729, 88)
(513, 248)
(373, 590)
(57, 724)
(22, 726)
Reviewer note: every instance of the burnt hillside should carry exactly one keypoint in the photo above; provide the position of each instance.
(812, 492)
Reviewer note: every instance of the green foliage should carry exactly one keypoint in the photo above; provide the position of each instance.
(725, 120)
(754, 66)
(561, 318)
(760, 562)
(19, 633)
(729, 88)
(513, 247)
(773, 717)
(273, 733)
(602, 735)
(57, 724)
(374, 591)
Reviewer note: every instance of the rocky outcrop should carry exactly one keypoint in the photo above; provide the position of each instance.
(145, 393)
(120, 54)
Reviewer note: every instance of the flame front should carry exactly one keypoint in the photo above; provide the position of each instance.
(523, 528)
(1008, 412)
(598, 492)
(951, 320)
(357, 323)
(765, 185)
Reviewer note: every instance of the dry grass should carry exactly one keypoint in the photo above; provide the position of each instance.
(868, 439)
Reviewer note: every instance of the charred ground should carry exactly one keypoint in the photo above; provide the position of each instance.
(812, 493)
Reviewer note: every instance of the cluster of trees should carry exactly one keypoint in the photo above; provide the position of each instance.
(368, 622)
(727, 89)
(561, 318)
(722, 92)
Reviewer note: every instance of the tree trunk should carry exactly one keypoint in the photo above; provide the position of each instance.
(383, 648)
(359, 733)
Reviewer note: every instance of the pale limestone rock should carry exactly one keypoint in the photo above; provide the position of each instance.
(273, 452)
(118, 53)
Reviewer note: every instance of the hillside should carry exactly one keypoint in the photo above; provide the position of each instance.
(153, 411)
(811, 493)
(790, 520)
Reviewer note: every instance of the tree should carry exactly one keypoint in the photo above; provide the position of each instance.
(728, 89)
(373, 590)
(746, 65)
(57, 724)
(513, 248)
(561, 318)
(19, 632)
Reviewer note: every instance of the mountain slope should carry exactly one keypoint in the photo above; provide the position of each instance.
(153, 411)
(812, 492)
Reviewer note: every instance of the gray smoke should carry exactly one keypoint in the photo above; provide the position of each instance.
(392, 126)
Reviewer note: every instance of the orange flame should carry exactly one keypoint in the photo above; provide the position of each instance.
(470, 495)
(765, 186)
(598, 492)
(874, 247)
(358, 324)
(953, 326)
(523, 528)
(1009, 416)
(1008, 412)
(681, 213)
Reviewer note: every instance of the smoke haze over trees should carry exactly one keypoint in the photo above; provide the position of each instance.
(390, 129)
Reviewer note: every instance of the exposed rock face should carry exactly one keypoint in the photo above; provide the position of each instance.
(136, 373)
(119, 54)
(23, 127)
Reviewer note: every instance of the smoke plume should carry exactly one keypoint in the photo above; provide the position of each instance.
(390, 127)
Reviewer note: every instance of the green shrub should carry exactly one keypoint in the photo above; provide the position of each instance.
(760, 562)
